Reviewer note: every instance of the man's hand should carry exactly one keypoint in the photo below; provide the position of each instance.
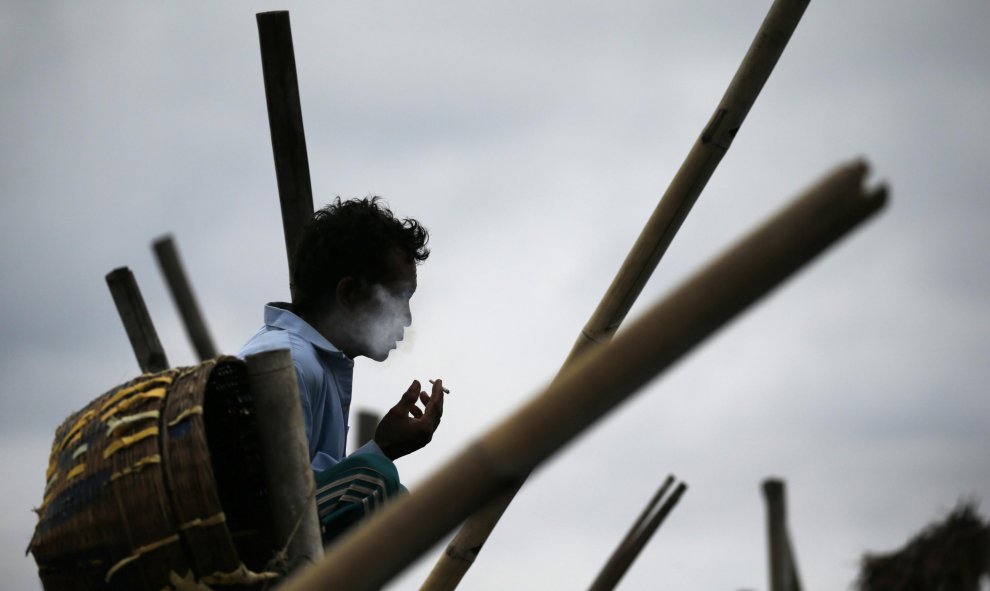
(406, 427)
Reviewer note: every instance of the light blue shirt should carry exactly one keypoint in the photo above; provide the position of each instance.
(324, 375)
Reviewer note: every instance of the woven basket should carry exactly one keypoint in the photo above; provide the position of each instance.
(158, 484)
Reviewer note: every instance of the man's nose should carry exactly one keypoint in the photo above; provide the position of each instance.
(406, 315)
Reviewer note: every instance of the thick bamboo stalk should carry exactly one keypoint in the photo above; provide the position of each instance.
(595, 384)
(137, 322)
(645, 254)
(178, 284)
(285, 455)
(278, 63)
(637, 537)
(782, 563)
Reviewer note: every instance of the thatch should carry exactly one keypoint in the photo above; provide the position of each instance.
(952, 555)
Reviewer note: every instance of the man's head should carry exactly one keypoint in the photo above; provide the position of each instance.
(354, 273)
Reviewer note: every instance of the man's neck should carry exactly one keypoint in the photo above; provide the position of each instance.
(332, 328)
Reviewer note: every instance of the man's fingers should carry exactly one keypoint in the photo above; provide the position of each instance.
(433, 404)
(410, 396)
(434, 408)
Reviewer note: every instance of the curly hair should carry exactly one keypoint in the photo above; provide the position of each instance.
(350, 238)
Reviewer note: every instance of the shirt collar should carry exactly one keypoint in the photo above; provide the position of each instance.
(279, 315)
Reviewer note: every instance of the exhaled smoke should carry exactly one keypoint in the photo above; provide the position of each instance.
(384, 321)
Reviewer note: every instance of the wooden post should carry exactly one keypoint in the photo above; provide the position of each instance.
(369, 556)
(285, 455)
(639, 534)
(653, 241)
(278, 63)
(137, 322)
(782, 563)
(178, 284)
(367, 424)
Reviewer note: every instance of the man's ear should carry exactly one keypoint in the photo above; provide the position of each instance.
(345, 295)
(350, 292)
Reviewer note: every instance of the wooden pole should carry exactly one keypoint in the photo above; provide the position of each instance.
(278, 64)
(691, 178)
(285, 456)
(137, 322)
(178, 284)
(773, 493)
(782, 563)
(367, 424)
(644, 515)
(645, 254)
(639, 534)
(792, 566)
(369, 556)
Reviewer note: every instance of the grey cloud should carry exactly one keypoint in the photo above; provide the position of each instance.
(533, 140)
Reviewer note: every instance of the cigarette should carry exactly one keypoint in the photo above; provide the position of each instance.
(445, 390)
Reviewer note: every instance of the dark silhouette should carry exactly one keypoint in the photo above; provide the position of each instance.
(949, 556)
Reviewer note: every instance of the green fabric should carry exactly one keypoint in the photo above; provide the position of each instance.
(353, 488)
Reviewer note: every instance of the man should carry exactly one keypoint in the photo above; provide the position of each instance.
(354, 273)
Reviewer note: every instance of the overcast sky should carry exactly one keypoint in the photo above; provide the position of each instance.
(533, 139)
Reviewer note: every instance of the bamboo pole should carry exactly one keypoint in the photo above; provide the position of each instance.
(137, 322)
(278, 63)
(656, 236)
(594, 384)
(182, 295)
(639, 534)
(285, 457)
(776, 538)
(367, 425)
(691, 178)
(782, 563)
(644, 515)
(792, 566)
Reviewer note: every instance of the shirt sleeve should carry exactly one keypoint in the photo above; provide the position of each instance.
(308, 389)
(369, 448)
(323, 461)
(268, 340)
(305, 402)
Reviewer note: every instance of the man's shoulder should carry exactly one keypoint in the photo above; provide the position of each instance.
(304, 356)
(269, 339)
